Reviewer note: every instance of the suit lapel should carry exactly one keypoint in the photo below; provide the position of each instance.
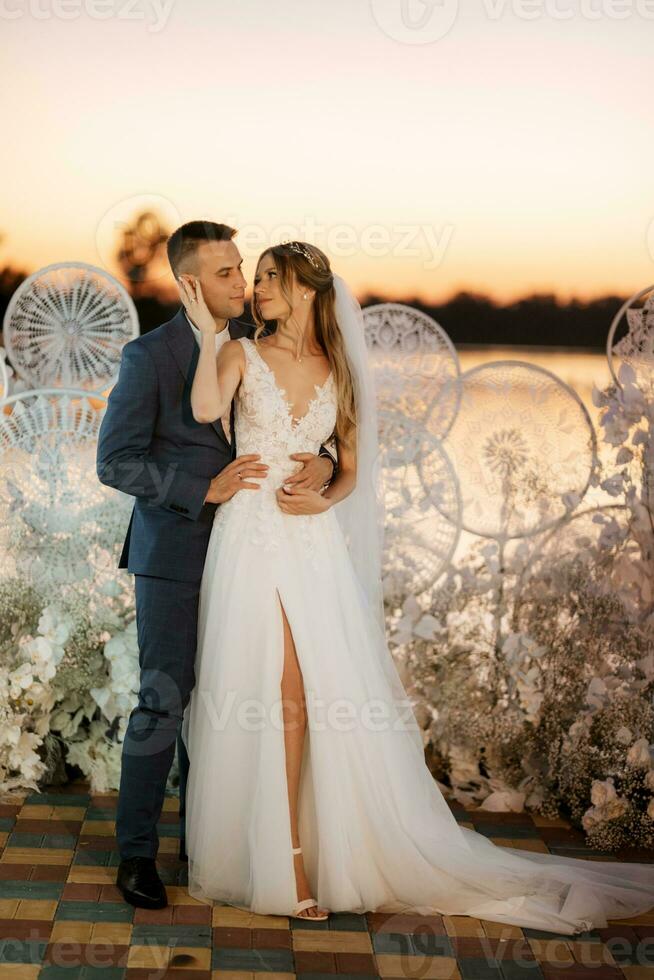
(186, 352)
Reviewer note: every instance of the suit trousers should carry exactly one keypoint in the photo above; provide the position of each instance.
(167, 626)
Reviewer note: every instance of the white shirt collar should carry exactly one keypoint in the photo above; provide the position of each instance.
(221, 337)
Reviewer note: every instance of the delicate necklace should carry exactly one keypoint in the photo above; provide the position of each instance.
(298, 359)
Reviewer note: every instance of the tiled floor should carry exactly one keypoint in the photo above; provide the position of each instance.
(62, 918)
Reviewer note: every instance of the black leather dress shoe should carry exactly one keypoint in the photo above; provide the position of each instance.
(140, 884)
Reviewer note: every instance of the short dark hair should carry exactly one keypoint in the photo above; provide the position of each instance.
(184, 240)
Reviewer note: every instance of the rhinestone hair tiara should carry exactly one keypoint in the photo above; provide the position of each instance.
(303, 250)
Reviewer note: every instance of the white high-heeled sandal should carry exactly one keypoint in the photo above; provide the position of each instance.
(306, 904)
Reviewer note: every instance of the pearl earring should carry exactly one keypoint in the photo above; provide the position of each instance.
(305, 296)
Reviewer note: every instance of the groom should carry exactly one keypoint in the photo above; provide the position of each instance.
(179, 471)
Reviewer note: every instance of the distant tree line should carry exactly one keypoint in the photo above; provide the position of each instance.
(539, 319)
(472, 318)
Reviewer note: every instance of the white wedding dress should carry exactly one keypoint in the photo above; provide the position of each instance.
(376, 832)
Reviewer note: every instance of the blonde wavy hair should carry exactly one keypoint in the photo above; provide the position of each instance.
(290, 262)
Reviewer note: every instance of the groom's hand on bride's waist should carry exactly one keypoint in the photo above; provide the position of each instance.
(234, 477)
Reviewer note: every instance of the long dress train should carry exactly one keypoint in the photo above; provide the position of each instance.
(376, 832)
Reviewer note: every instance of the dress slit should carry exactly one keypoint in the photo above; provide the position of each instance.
(305, 748)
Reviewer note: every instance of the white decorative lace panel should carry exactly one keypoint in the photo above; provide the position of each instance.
(264, 424)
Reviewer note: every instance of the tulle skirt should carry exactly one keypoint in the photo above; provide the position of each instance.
(376, 832)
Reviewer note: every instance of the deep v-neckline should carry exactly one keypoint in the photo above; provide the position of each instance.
(295, 421)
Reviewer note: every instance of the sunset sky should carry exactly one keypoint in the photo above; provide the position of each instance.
(507, 156)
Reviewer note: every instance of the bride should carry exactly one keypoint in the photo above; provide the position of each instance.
(308, 790)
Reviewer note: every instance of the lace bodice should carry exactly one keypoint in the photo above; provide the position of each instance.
(264, 422)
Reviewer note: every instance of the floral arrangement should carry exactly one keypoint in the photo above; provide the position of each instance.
(532, 666)
(68, 679)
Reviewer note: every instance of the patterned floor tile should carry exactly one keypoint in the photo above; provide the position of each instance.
(262, 960)
(420, 944)
(184, 935)
(21, 951)
(326, 941)
(36, 908)
(25, 929)
(95, 911)
(438, 968)
(63, 918)
(30, 889)
(521, 971)
(551, 950)
(312, 961)
(476, 968)
(21, 971)
(637, 972)
(36, 855)
(463, 925)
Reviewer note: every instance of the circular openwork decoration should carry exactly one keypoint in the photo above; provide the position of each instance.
(66, 325)
(523, 447)
(59, 526)
(423, 507)
(415, 364)
(636, 347)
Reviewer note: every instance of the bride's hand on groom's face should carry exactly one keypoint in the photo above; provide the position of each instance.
(190, 293)
(293, 501)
